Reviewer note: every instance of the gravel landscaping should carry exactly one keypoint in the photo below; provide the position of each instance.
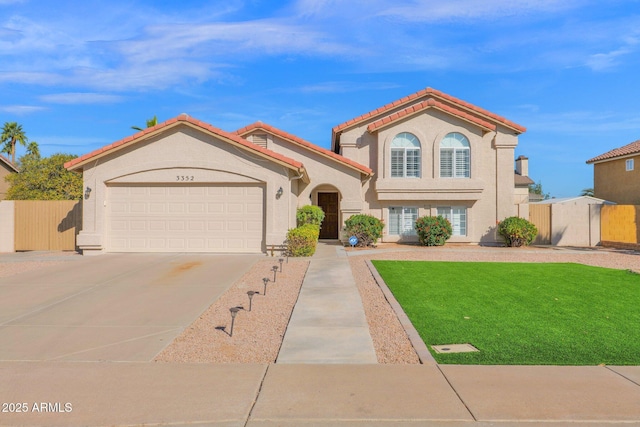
(257, 334)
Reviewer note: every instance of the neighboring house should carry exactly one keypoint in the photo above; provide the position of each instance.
(522, 181)
(6, 168)
(616, 174)
(186, 186)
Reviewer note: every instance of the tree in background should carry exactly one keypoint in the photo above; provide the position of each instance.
(150, 123)
(12, 134)
(587, 192)
(537, 189)
(33, 150)
(44, 178)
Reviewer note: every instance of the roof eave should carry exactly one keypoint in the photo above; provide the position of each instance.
(267, 128)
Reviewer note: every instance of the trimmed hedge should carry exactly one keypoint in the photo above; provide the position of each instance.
(517, 231)
(367, 228)
(309, 214)
(433, 230)
(302, 241)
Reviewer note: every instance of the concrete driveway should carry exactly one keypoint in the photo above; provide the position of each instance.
(113, 307)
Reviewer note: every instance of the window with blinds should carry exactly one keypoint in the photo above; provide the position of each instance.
(455, 156)
(402, 220)
(405, 156)
(457, 216)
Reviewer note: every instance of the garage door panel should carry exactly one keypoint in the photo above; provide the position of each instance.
(217, 218)
(196, 226)
(138, 225)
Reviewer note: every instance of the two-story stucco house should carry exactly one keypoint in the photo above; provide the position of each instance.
(186, 186)
(616, 174)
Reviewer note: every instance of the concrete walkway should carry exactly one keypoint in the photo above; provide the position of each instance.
(328, 324)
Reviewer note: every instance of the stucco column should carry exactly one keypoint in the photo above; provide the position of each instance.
(505, 185)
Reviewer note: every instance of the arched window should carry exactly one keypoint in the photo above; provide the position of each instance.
(455, 156)
(405, 156)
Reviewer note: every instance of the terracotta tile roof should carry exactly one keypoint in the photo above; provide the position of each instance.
(458, 103)
(78, 162)
(306, 144)
(430, 103)
(6, 161)
(633, 148)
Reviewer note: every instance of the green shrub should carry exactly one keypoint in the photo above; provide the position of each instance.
(367, 228)
(517, 231)
(310, 214)
(433, 230)
(302, 240)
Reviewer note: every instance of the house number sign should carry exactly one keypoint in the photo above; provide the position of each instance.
(184, 177)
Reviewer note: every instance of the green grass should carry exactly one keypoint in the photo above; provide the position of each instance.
(521, 313)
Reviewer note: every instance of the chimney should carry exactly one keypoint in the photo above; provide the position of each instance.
(522, 166)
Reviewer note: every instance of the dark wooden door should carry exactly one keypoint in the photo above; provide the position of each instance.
(329, 204)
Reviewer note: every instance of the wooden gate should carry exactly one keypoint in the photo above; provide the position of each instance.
(620, 223)
(540, 216)
(47, 225)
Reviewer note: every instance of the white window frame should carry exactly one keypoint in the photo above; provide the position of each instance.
(405, 156)
(455, 156)
(458, 216)
(405, 223)
(629, 164)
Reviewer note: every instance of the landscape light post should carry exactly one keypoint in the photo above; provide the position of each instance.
(234, 313)
(265, 280)
(250, 294)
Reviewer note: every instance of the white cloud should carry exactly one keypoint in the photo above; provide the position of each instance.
(21, 110)
(81, 98)
(434, 11)
(583, 122)
(344, 87)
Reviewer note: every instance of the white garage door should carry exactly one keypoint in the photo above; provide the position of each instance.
(185, 218)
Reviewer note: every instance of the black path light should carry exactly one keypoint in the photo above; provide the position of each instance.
(281, 261)
(250, 294)
(234, 312)
(265, 280)
(275, 270)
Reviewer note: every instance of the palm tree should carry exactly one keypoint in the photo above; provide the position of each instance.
(12, 134)
(33, 150)
(150, 123)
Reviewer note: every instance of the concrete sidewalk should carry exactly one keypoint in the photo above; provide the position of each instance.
(328, 324)
(129, 393)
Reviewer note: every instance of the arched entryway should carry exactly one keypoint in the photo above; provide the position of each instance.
(328, 198)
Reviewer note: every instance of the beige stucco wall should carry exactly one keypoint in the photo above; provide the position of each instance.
(7, 226)
(613, 183)
(184, 151)
(325, 174)
(488, 194)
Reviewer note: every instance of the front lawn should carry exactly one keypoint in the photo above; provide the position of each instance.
(521, 313)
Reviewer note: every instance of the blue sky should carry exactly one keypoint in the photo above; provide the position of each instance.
(78, 75)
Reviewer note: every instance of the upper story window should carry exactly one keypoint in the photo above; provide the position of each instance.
(405, 156)
(629, 165)
(455, 156)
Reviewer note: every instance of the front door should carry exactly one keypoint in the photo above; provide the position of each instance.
(329, 204)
